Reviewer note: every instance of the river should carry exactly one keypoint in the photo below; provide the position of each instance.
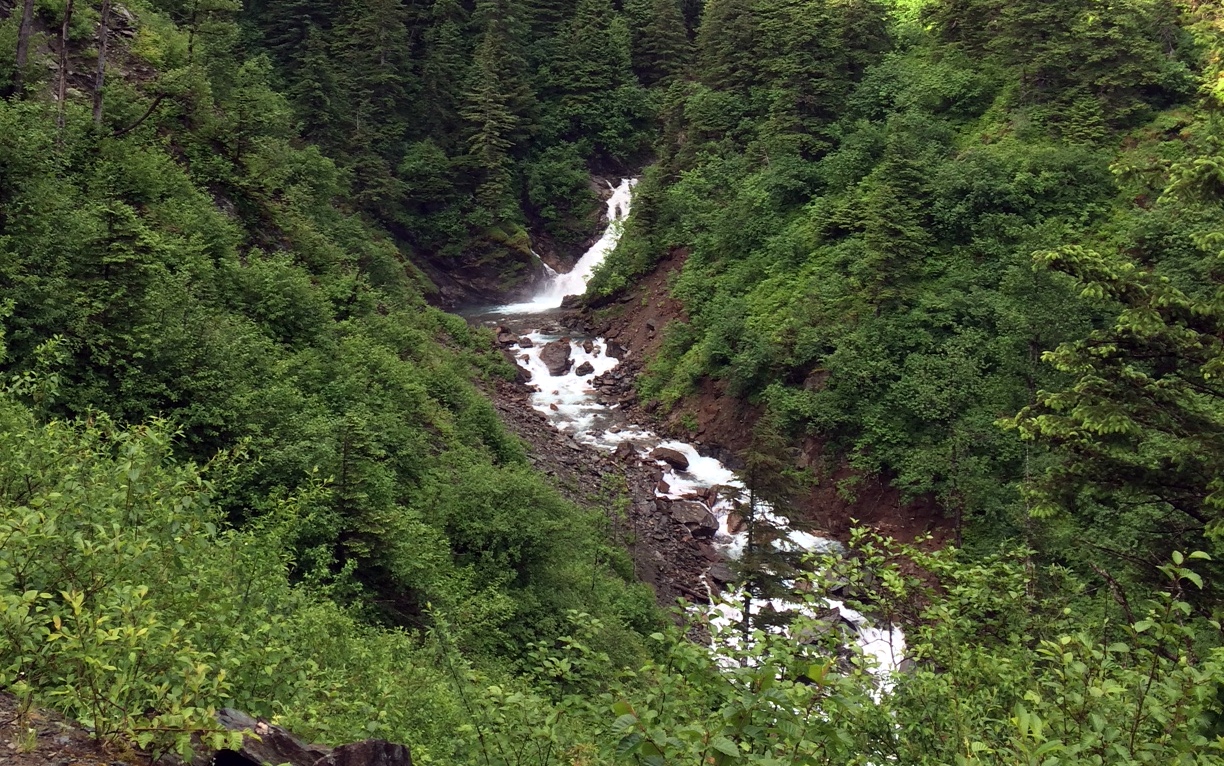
(572, 406)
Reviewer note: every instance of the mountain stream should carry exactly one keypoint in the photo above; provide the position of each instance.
(570, 403)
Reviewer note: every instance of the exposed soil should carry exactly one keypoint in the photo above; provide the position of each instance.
(721, 425)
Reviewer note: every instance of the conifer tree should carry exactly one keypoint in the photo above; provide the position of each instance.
(660, 44)
(729, 45)
(446, 57)
(768, 558)
(489, 111)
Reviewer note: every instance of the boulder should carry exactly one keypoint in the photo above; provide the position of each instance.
(721, 574)
(588, 346)
(525, 342)
(571, 302)
(556, 357)
(504, 336)
(616, 350)
(696, 516)
(370, 752)
(662, 487)
(274, 744)
(625, 451)
(584, 369)
(736, 523)
(674, 458)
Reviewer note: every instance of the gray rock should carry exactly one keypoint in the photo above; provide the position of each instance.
(721, 573)
(370, 752)
(696, 516)
(625, 451)
(274, 744)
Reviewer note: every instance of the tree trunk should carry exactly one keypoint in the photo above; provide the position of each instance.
(61, 89)
(24, 33)
(100, 78)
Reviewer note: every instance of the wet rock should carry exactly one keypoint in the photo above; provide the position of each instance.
(696, 516)
(721, 574)
(504, 336)
(370, 752)
(588, 346)
(525, 342)
(823, 623)
(571, 302)
(736, 523)
(556, 357)
(554, 408)
(625, 451)
(663, 488)
(584, 369)
(674, 458)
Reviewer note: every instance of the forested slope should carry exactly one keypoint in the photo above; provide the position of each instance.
(860, 211)
(244, 462)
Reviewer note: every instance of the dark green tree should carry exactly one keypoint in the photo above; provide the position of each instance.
(660, 45)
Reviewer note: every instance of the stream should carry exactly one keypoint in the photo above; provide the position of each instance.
(572, 406)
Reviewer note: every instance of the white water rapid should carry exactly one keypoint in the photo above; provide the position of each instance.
(572, 406)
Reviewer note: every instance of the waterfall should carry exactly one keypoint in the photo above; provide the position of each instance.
(574, 282)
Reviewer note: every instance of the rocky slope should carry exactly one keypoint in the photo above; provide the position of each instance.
(676, 558)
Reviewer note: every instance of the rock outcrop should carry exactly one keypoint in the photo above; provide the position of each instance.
(674, 458)
(556, 357)
(699, 520)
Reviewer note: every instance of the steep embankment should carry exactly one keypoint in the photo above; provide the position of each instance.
(721, 424)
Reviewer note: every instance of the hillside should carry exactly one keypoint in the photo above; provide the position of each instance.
(947, 267)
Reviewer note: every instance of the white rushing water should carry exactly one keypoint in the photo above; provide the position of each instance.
(574, 282)
(572, 405)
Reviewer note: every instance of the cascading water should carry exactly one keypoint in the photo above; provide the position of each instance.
(574, 282)
(571, 404)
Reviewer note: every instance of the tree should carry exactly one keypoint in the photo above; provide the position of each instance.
(1138, 430)
(24, 33)
(728, 45)
(498, 107)
(100, 74)
(660, 44)
(768, 516)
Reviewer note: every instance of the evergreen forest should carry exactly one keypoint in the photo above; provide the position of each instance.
(973, 248)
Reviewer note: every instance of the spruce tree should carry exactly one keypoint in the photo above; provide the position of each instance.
(660, 44)
(729, 46)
